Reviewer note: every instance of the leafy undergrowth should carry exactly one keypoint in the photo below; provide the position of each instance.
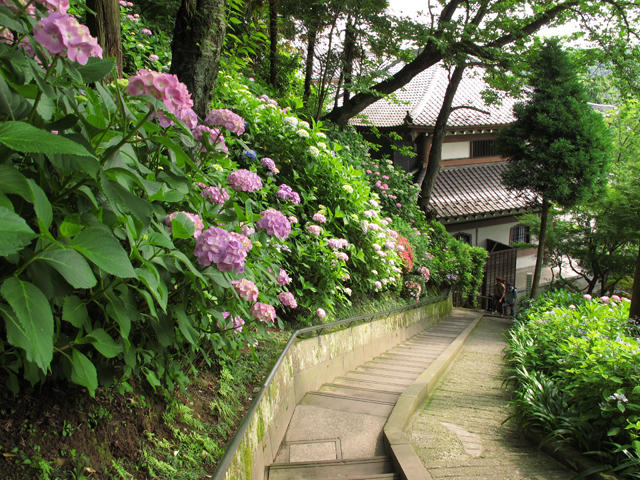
(575, 363)
(57, 432)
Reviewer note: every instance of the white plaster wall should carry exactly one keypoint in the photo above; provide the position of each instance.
(526, 261)
(499, 233)
(455, 150)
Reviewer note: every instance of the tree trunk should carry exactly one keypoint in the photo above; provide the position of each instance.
(312, 34)
(273, 42)
(544, 216)
(350, 38)
(197, 43)
(105, 26)
(439, 132)
(634, 311)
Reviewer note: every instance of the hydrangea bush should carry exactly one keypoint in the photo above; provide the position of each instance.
(574, 359)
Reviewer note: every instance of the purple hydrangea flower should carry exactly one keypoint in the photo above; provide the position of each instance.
(243, 239)
(214, 138)
(227, 119)
(318, 217)
(218, 246)
(215, 195)
(285, 192)
(247, 230)
(237, 322)
(342, 256)
(275, 223)
(287, 299)
(314, 229)
(268, 163)
(195, 219)
(246, 289)
(263, 312)
(337, 242)
(244, 181)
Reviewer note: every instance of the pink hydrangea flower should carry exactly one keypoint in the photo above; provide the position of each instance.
(263, 312)
(268, 163)
(337, 242)
(227, 119)
(195, 219)
(369, 171)
(246, 242)
(287, 299)
(376, 247)
(348, 291)
(342, 256)
(215, 138)
(146, 31)
(164, 87)
(615, 298)
(321, 313)
(318, 217)
(215, 195)
(244, 181)
(283, 278)
(377, 284)
(399, 205)
(247, 230)
(587, 296)
(237, 322)
(625, 299)
(605, 299)
(58, 6)
(275, 223)
(154, 58)
(293, 220)
(218, 246)
(62, 34)
(314, 229)
(572, 307)
(286, 193)
(246, 289)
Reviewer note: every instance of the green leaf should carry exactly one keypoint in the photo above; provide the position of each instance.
(104, 343)
(95, 69)
(185, 326)
(72, 266)
(12, 181)
(636, 389)
(103, 249)
(156, 286)
(22, 137)
(122, 197)
(41, 204)
(117, 310)
(6, 203)
(74, 311)
(32, 326)
(163, 326)
(613, 431)
(216, 276)
(14, 232)
(84, 372)
(181, 157)
(182, 226)
(71, 226)
(159, 240)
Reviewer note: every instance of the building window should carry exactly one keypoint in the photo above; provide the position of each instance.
(463, 237)
(520, 234)
(483, 148)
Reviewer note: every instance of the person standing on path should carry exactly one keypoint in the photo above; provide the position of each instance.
(498, 295)
(510, 297)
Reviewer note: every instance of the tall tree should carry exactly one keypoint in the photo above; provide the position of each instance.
(105, 25)
(558, 147)
(197, 43)
(273, 43)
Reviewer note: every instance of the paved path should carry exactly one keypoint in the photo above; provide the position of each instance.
(459, 433)
(336, 431)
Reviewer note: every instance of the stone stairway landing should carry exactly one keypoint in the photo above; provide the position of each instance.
(336, 431)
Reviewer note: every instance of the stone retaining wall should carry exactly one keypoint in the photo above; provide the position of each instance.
(313, 362)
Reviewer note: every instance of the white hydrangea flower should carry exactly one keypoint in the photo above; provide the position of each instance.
(303, 133)
(292, 121)
(302, 124)
(348, 188)
(313, 150)
(321, 135)
(322, 145)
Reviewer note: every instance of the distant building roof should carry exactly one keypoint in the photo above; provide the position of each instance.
(420, 101)
(473, 191)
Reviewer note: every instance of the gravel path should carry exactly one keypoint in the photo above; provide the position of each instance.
(459, 433)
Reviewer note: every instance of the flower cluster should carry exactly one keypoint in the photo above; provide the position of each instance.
(227, 119)
(314, 229)
(215, 137)
(215, 195)
(283, 278)
(414, 289)
(244, 181)
(286, 193)
(246, 289)
(263, 312)
(424, 271)
(287, 299)
(226, 250)
(320, 218)
(321, 313)
(61, 34)
(338, 243)
(268, 164)
(237, 322)
(275, 223)
(165, 87)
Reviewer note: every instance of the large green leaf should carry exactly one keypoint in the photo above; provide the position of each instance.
(74, 311)
(95, 69)
(72, 266)
(182, 226)
(104, 343)
(14, 232)
(117, 310)
(41, 204)
(185, 326)
(84, 372)
(155, 285)
(12, 181)
(71, 226)
(163, 326)
(103, 249)
(32, 327)
(22, 137)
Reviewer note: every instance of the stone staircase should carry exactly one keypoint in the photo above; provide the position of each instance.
(336, 431)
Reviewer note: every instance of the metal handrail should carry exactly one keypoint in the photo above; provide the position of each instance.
(225, 461)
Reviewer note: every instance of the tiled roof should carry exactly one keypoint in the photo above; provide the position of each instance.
(422, 98)
(469, 190)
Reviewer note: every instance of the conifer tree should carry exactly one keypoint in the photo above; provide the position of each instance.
(558, 147)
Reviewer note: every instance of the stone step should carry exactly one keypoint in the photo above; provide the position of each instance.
(360, 392)
(389, 379)
(343, 403)
(408, 367)
(352, 469)
(394, 372)
(362, 383)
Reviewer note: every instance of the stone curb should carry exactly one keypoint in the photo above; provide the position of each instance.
(398, 447)
(568, 456)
